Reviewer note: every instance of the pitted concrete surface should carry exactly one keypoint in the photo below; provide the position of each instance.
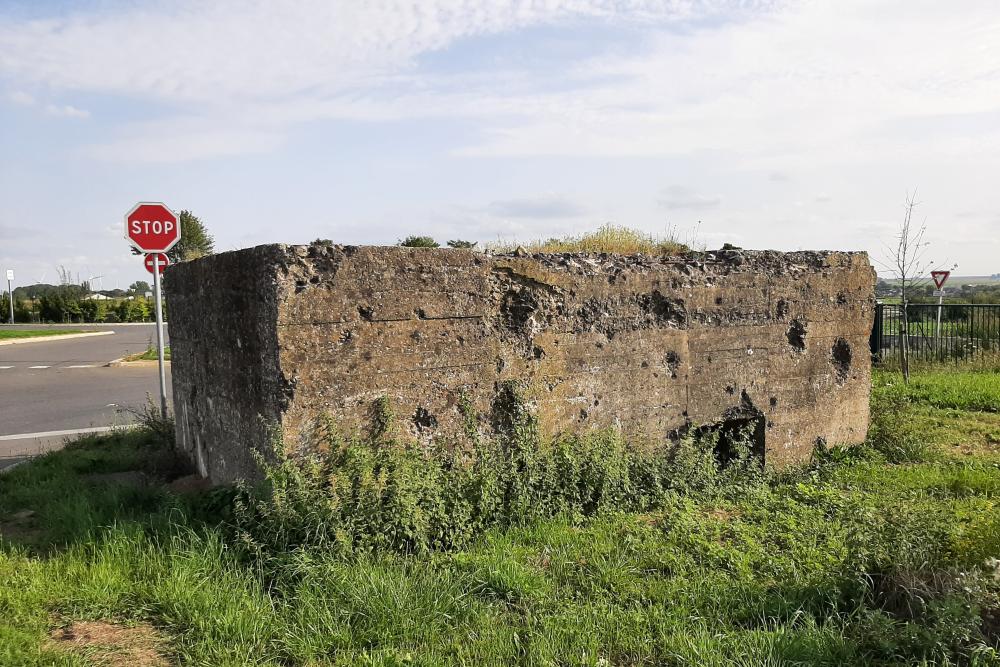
(280, 335)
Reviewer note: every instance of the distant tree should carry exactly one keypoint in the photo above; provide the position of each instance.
(93, 311)
(461, 244)
(419, 242)
(139, 287)
(195, 240)
(326, 243)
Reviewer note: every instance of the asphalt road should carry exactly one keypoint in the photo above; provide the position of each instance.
(51, 388)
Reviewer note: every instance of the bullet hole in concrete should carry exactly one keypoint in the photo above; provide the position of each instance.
(367, 313)
(742, 428)
(673, 362)
(663, 310)
(782, 310)
(796, 335)
(346, 336)
(416, 336)
(423, 419)
(730, 390)
(300, 286)
(596, 402)
(420, 313)
(718, 301)
(644, 364)
(315, 280)
(840, 357)
(583, 415)
(841, 299)
(537, 352)
(773, 401)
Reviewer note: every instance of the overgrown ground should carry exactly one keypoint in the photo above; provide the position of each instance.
(150, 354)
(10, 334)
(885, 554)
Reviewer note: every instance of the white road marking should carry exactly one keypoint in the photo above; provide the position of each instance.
(83, 366)
(72, 431)
(3, 368)
(39, 366)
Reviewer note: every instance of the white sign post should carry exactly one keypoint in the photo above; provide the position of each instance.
(152, 228)
(939, 277)
(10, 291)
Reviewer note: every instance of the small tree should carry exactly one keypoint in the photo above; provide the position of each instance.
(139, 287)
(419, 242)
(907, 263)
(195, 240)
(461, 244)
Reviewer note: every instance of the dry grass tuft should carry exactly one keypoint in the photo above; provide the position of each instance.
(610, 238)
(111, 645)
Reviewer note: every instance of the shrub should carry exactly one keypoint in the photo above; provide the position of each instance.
(419, 242)
(376, 492)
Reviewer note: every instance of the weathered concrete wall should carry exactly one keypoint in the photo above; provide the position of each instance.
(283, 334)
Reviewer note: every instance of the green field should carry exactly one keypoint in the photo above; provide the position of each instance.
(885, 554)
(10, 334)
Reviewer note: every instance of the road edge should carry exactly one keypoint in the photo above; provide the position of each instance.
(45, 339)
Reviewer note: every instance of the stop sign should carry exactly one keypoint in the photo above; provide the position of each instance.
(152, 227)
(164, 261)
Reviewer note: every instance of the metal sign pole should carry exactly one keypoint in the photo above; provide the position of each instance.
(938, 329)
(10, 292)
(159, 336)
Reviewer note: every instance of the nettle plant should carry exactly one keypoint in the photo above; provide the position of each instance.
(379, 491)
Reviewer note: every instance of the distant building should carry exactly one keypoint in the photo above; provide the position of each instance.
(97, 297)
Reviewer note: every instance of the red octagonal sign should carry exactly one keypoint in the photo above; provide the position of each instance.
(152, 227)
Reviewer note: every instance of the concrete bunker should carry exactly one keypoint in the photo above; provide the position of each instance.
(744, 342)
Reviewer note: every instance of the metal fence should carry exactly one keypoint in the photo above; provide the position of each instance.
(950, 332)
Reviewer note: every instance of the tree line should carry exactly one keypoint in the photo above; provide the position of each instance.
(69, 302)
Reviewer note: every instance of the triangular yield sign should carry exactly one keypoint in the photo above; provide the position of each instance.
(939, 277)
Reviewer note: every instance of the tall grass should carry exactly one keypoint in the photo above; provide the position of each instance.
(612, 239)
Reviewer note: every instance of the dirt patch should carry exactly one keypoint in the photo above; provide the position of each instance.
(20, 527)
(110, 645)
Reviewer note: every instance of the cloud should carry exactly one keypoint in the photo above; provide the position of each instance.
(66, 111)
(550, 206)
(277, 64)
(676, 197)
(186, 139)
(22, 98)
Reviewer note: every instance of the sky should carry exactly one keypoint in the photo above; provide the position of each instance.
(783, 125)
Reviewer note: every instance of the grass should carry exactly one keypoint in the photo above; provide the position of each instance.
(149, 355)
(607, 239)
(10, 334)
(853, 560)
